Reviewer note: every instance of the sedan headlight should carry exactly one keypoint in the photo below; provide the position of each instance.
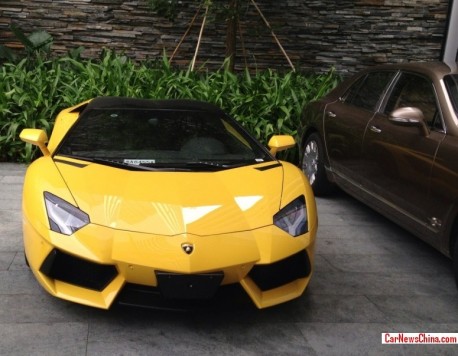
(293, 217)
(64, 217)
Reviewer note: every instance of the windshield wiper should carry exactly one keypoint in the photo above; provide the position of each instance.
(182, 166)
(161, 167)
(117, 164)
(218, 165)
(205, 164)
(120, 164)
(185, 166)
(104, 161)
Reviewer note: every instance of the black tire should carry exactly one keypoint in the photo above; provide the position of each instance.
(26, 260)
(312, 164)
(455, 257)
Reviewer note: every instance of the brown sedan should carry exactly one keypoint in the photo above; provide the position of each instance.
(389, 137)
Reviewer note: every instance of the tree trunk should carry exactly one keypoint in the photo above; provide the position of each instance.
(231, 34)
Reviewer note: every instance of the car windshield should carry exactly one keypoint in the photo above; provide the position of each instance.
(451, 82)
(161, 139)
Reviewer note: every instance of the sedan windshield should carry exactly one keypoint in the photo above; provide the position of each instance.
(451, 82)
(161, 139)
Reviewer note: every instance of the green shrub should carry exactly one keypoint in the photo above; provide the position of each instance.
(266, 103)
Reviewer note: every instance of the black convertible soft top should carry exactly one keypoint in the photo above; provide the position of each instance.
(113, 102)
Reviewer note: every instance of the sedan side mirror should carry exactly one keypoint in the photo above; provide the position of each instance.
(36, 137)
(409, 116)
(279, 143)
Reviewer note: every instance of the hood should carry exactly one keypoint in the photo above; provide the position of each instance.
(172, 203)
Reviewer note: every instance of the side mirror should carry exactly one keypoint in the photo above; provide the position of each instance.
(279, 143)
(36, 137)
(409, 116)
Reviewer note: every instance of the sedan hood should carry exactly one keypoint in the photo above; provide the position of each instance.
(172, 203)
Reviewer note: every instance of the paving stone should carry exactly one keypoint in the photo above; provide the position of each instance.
(43, 339)
(370, 277)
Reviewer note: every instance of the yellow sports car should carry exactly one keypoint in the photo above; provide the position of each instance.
(134, 197)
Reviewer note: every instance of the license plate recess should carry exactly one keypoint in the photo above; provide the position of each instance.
(188, 286)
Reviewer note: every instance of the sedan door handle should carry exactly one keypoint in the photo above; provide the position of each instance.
(331, 114)
(375, 129)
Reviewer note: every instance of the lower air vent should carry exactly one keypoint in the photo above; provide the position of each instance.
(282, 272)
(73, 270)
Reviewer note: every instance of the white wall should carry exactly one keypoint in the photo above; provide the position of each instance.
(451, 45)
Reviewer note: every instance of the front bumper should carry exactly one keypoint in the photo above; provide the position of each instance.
(98, 265)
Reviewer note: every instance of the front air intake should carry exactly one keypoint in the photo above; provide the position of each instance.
(282, 272)
(73, 270)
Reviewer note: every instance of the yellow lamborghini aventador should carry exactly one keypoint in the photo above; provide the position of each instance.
(172, 197)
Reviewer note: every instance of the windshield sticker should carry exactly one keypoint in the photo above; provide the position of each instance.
(138, 162)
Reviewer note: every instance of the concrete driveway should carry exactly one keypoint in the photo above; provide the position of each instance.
(370, 277)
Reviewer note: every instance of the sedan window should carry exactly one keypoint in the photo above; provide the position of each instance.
(366, 92)
(415, 91)
(451, 82)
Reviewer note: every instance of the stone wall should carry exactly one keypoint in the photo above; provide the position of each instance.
(318, 35)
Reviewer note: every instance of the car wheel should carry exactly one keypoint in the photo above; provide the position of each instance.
(455, 258)
(26, 260)
(312, 165)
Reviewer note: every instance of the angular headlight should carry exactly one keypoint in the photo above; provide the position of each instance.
(293, 217)
(64, 217)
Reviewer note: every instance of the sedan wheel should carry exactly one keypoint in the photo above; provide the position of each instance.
(310, 160)
(455, 255)
(313, 167)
